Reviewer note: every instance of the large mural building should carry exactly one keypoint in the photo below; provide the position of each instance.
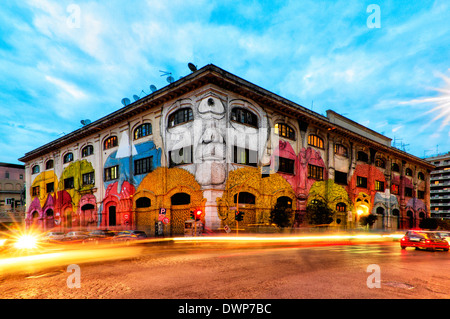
(214, 142)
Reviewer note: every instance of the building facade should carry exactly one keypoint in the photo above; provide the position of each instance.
(202, 142)
(440, 186)
(12, 194)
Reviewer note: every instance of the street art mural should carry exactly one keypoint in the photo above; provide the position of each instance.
(254, 195)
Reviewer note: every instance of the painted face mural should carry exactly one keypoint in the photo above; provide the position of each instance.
(203, 136)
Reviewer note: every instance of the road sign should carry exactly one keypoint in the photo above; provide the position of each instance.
(162, 211)
(165, 220)
(227, 229)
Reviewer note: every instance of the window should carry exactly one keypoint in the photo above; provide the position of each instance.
(181, 116)
(421, 176)
(285, 131)
(68, 183)
(245, 198)
(110, 142)
(180, 156)
(362, 156)
(142, 130)
(35, 169)
(340, 177)
(50, 187)
(68, 158)
(316, 141)
(341, 207)
(379, 186)
(111, 173)
(244, 116)
(380, 163)
(87, 150)
(420, 194)
(284, 201)
(408, 172)
(35, 191)
(286, 165)
(395, 167)
(315, 172)
(395, 189)
(143, 202)
(143, 165)
(88, 178)
(361, 181)
(49, 164)
(245, 156)
(408, 192)
(180, 199)
(340, 149)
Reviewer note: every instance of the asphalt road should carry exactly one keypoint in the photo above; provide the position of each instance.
(230, 270)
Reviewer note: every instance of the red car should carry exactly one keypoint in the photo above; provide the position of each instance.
(424, 240)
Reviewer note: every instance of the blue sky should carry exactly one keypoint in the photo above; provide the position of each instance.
(65, 61)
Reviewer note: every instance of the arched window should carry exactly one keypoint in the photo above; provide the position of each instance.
(181, 116)
(362, 156)
(340, 149)
(35, 169)
(143, 202)
(180, 199)
(49, 164)
(315, 140)
(421, 176)
(143, 130)
(244, 116)
(110, 142)
(68, 158)
(284, 201)
(245, 198)
(408, 172)
(341, 207)
(380, 163)
(395, 167)
(87, 150)
(285, 131)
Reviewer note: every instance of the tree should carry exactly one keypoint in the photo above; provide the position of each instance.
(368, 220)
(281, 215)
(318, 213)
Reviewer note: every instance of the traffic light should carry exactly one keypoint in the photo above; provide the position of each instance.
(239, 216)
(192, 215)
(198, 214)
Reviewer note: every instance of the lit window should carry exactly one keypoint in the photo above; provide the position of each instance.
(143, 130)
(285, 131)
(111, 173)
(379, 186)
(361, 181)
(88, 178)
(110, 142)
(341, 207)
(340, 149)
(316, 141)
(421, 176)
(315, 172)
(87, 150)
